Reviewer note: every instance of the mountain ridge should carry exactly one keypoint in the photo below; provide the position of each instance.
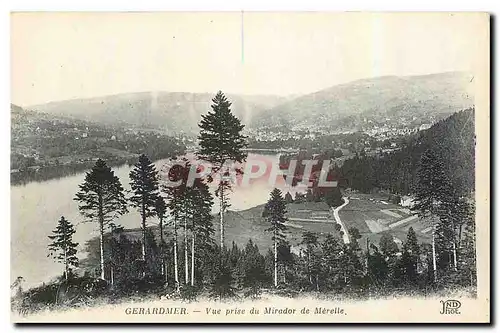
(432, 96)
(429, 98)
(173, 112)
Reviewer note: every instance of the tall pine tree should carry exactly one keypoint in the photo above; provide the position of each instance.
(468, 247)
(221, 141)
(411, 255)
(201, 220)
(331, 248)
(160, 211)
(62, 248)
(176, 204)
(274, 212)
(310, 240)
(101, 199)
(433, 192)
(144, 184)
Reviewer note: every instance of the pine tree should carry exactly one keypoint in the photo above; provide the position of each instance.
(468, 247)
(351, 267)
(221, 141)
(144, 184)
(411, 255)
(101, 199)
(62, 248)
(310, 240)
(177, 206)
(389, 249)
(275, 211)
(354, 237)
(160, 211)
(432, 197)
(191, 204)
(253, 266)
(201, 220)
(378, 270)
(223, 283)
(285, 257)
(333, 197)
(331, 249)
(153, 253)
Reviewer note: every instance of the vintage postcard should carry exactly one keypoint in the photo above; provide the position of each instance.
(250, 167)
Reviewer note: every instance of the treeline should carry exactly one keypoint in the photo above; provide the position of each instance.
(157, 147)
(453, 142)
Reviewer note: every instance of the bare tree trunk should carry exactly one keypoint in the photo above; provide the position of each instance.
(186, 261)
(101, 245)
(309, 266)
(163, 268)
(367, 254)
(434, 264)
(275, 262)
(176, 268)
(221, 215)
(192, 259)
(455, 263)
(460, 235)
(143, 242)
(65, 257)
(143, 216)
(101, 234)
(112, 275)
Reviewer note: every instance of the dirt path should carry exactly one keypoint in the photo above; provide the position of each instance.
(339, 221)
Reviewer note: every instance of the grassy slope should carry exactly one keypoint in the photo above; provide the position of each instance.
(369, 207)
(241, 226)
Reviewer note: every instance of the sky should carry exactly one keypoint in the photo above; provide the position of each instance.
(58, 56)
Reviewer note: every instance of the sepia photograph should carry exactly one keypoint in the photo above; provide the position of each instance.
(249, 167)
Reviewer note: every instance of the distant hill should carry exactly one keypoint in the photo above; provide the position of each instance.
(173, 112)
(380, 100)
(45, 146)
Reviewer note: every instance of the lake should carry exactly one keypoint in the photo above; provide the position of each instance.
(36, 208)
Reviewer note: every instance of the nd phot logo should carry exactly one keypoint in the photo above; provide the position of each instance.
(450, 306)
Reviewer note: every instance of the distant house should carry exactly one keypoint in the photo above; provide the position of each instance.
(407, 201)
(424, 127)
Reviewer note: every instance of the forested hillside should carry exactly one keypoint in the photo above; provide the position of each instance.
(452, 140)
(44, 146)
